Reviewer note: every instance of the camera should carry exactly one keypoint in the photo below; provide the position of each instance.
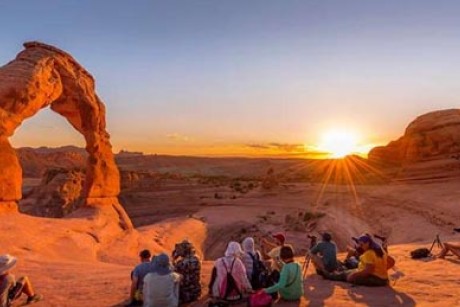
(381, 238)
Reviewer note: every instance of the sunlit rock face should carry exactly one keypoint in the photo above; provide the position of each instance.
(42, 76)
(432, 136)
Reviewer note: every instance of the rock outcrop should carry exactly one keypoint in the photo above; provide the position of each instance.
(58, 194)
(44, 76)
(271, 180)
(432, 136)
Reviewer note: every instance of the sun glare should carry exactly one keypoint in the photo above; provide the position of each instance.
(339, 143)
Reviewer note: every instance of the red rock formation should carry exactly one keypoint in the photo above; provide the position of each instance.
(432, 136)
(58, 194)
(42, 76)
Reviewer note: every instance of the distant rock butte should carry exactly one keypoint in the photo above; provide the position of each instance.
(432, 136)
(42, 76)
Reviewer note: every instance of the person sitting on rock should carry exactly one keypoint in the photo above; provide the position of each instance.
(161, 285)
(10, 288)
(188, 265)
(353, 254)
(229, 280)
(137, 277)
(324, 254)
(290, 284)
(274, 254)
(449, 247)
(253, 264)
(372, 267)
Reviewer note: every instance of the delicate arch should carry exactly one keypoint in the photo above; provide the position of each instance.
(41, 76)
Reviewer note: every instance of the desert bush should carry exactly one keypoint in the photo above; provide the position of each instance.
(312, 215)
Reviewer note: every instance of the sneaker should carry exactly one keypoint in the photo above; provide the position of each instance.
(34, 298)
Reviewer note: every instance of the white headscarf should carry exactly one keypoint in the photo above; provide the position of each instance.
(248, 245)
(233, 249)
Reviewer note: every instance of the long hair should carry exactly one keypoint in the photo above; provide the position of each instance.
(376, 248)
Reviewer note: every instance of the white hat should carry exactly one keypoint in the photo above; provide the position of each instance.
(7, 262)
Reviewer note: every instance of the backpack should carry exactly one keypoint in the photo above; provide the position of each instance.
(231, 293)
(258, 270)
(260, 299)
(420, 253)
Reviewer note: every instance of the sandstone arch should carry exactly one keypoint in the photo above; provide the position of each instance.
(42, 76)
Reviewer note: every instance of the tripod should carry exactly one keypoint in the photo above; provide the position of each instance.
(306, 264)
(307, 260)
(438, 242)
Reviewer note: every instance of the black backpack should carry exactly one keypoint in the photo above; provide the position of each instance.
(420, 253)
(258, 271)
(231, 288)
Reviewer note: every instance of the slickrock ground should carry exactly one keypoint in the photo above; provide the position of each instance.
(87, 261)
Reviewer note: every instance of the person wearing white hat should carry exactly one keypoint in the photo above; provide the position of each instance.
(229, 280)
(10, 289)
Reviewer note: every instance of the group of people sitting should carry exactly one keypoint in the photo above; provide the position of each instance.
(367, 264)
(158, 281)
(243, 270)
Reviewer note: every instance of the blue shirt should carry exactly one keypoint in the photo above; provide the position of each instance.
(140, 271)
(328, 251)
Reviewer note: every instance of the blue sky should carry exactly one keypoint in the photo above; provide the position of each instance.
(215, 76)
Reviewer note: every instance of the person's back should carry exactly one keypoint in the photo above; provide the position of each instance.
(328, 251)
(137, 277)
(140, 271)
(161, 290)
(252, 260)
(161, 286)
(290, 284)
(229, 266)
(229, 280)
(293, 289)
(190, 269)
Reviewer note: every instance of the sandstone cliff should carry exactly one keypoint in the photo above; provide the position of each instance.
(435, 135)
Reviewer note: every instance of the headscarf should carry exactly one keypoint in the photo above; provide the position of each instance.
(248, 245)
(161, 265)
(233, 249)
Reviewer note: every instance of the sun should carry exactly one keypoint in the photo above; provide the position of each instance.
(339, 143)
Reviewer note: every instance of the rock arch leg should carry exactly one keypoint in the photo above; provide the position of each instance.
(41, 76)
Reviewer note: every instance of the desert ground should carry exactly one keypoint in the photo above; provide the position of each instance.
(83, 259)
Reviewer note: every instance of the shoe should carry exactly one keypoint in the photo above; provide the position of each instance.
(34, 298)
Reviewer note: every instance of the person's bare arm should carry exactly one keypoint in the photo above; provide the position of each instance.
(266, 246)
(133, 287)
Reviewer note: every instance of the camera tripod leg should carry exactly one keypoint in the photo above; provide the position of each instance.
(306, 264)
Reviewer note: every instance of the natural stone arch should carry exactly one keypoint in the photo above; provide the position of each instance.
(42, 76)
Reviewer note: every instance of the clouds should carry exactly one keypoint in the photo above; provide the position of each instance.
(177, 137)
(286, 149)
